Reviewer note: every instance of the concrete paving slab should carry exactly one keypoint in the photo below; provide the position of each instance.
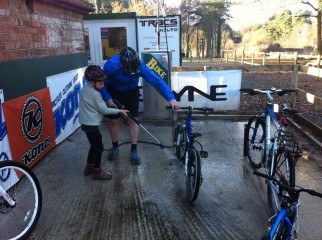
(148, 201)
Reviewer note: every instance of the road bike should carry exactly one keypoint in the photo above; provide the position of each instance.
(285, 221)
(187, 153)
(278, 153)
(20, 200)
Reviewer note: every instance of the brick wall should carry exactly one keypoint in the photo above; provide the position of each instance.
(38, 30)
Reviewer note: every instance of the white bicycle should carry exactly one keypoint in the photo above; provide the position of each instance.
(20, 200)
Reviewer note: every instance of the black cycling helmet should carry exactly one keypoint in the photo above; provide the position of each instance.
(130, 60)
(95, 73)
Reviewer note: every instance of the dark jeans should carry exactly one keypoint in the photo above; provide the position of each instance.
(94, 137)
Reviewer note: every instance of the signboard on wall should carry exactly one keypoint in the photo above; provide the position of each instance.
(170, 35)
(30, 125)
(64, 92)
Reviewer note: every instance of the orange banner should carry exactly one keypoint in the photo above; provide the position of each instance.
(30, 125)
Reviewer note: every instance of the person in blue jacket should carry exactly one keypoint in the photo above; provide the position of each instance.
(123, 72)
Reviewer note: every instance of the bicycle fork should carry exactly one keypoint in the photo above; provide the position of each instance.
(186, 159)
(7, 197)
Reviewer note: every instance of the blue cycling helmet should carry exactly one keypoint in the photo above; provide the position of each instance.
(130, 60)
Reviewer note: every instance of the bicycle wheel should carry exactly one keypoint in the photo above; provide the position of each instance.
(21, 184)
(255, 141)
(284, 171)
(180, 139)
(193, 177)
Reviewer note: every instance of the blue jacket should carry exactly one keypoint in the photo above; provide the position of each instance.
(121, 81)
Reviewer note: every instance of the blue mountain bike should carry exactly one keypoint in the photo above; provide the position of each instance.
(284, 223)
(186, 151)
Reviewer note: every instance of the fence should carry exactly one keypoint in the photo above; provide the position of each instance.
(274, 58)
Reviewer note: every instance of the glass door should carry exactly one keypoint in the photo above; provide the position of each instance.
(105, 38)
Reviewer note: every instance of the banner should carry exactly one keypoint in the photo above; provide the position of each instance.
(30, 126)
(64, 92)
(214, 89)
(5, 153)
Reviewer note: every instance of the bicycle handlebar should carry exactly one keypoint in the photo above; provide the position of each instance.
(205, 109)
(253, 91)
(288, 188)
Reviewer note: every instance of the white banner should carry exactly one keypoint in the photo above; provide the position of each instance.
(169, 28)
(214, 89)
(5, 153)
(64, 93)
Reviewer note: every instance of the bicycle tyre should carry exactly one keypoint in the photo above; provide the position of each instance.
(284, 171)
(255, 141)
(18, 221)
(180, 139)
(193, 177)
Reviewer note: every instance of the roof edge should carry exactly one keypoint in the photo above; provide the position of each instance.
(82, 6)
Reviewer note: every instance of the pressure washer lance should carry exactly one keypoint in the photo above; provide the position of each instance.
(137, 122)
(119, 106)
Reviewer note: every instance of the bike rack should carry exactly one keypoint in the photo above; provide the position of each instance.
(288, 141)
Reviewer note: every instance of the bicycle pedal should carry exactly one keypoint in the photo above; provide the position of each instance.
(203, 154)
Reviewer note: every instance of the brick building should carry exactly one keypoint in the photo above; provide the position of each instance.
(39, 38)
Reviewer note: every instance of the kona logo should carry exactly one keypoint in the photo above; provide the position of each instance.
(32, 119)
(191, 90)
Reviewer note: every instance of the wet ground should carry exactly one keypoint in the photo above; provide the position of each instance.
(148, 201)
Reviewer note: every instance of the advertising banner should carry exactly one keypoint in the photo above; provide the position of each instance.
(5, 153)
(64, 92)
(169, 28)
(30, 125)
(214, 89)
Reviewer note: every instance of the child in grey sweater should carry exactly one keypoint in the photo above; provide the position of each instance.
(91, 111)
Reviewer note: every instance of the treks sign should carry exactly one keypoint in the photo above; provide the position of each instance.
(169, 37)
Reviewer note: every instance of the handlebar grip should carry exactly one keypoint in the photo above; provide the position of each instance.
(245, 89)
(314, 193)
(285, 91)
(168, 107)
(249, 91)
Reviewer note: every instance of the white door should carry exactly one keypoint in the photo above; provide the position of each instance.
(105, 38)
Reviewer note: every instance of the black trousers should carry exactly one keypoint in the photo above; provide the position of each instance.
(94, 137)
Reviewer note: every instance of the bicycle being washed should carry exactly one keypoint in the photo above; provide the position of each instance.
(188, 153)
(20, 200)
(277, 153)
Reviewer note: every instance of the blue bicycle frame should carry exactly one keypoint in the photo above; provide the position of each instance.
(282, 216)
(189, 140)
